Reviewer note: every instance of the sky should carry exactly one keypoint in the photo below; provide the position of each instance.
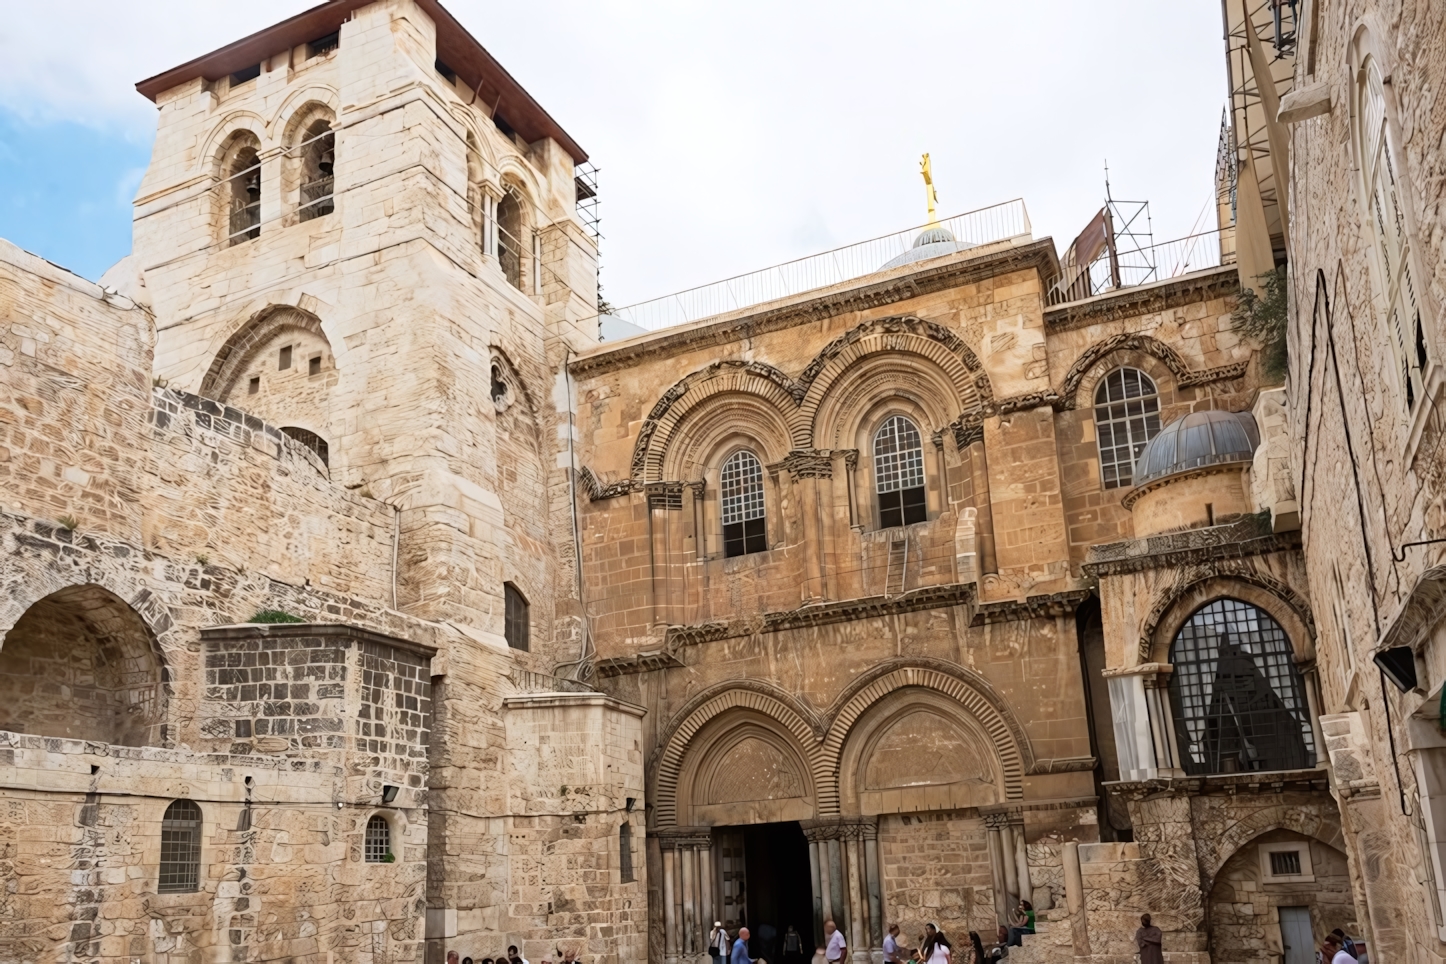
(729, 136)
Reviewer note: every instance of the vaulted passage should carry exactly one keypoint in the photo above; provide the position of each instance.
(81, 664)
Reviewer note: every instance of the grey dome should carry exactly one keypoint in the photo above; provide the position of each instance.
(932, 242)
(1198, 439)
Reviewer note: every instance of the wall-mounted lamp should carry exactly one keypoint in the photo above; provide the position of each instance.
(389, 792)
(1399, 665)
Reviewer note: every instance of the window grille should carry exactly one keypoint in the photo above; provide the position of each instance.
(509, 237)
(515, 626)
(744, 528)
(1127, 415)
(625, 853)
(1285, 863)
(312, 441)
(180, 848)
(1384, 207)
(899, 473)
(378, 840)
(1238, 700)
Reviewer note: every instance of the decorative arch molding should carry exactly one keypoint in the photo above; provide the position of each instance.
(1228, 571)
(235, 122)
(760, 698)
(510, 168)
(226, 367)
(467, 120)
(847, 415)
(1185, 376)
(735, 377)
(514, 379)
(965, 687)
(1308, 823)
(300, 106)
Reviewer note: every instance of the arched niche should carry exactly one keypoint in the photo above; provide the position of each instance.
(744, 767)
(1196, 588)
(842, 414)
(80, 664)
(918, 750)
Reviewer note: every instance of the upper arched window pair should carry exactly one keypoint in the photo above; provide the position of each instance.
(313, 160)
(1127, 415)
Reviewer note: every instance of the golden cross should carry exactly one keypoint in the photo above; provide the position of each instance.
(929, 193)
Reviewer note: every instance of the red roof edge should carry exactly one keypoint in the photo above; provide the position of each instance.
(456, 48)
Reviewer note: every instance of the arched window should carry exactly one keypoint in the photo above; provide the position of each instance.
(743, 516)
(899, 473)
(1384, 206)
(1238, 700)
(378, 848)
(318, 161)
(311, 440)
(515, 626)
(510, 246)
(243, 195)
(1127, 415)
(180, 849)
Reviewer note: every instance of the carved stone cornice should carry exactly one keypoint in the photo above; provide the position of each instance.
(806, 464)
(1024, 403)
(1014, 810)
(1145, 299)
(1223, 784)
(638, 663)
(596, 490)
(1044, 606)
(822, 614)
(1067, 764)
(840, 828)
(691, 635)
(728, 331)
(1250, 536)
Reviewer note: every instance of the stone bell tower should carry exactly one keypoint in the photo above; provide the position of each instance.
(356, 225)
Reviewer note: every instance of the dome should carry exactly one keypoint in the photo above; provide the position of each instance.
(932, 242)
(1198, 439)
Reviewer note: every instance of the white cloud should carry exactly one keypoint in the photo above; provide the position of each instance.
(732, 136)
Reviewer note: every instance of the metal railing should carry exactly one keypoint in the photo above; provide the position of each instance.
(1130, 268)
(317, 197)
(999, 222)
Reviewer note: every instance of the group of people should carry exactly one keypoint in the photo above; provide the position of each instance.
(1337, 948)
(568, 956)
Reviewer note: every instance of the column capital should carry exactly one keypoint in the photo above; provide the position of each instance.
(841, 828)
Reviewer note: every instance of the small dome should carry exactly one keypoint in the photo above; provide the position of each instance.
(1198, 439)
(932, 242)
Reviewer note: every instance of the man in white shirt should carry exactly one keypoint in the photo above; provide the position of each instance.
(891, 945)
(1334, 952)
(837, 947)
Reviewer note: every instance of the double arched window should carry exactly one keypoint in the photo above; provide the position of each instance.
(1127, 415)
(744, 529)
(180, 849)
(1385, 209)
(1238, 700)
(899, 473)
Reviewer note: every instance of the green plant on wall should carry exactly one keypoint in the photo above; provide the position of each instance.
(274, 616)
(1262, 315)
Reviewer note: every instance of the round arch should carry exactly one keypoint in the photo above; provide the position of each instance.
(234, 354)
(859, 392)
(213, 152)
(1137, 345)
(744, 766)
(1308, 822)
(1198, 585)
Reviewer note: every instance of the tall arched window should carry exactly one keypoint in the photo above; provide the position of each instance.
(1385, 206)
(243, 193)
(510, 248)
(318, 162)
(378, 845)
(1127, 415)
(899, 473)
(743, 516)
(1238, 700)
(516, 626)
(180, 849)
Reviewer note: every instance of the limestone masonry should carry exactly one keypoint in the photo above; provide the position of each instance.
(359, 603)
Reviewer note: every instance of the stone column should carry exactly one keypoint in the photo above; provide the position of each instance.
(1074, 899)
(709, 908)
(837, 913)
(1021, 862)
(818, 882)
(670, 889)
(875, 888)
(688, 941)
(979, 470)
(1011, 869)
(996, 867)
(489, 223)
(858, 914)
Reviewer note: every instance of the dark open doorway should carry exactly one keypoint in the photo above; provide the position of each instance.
(774, 885)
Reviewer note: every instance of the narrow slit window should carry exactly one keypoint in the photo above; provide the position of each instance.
(515, 627)
(313, 365)
(625, 853)
(379, 840)
(1127, 415)
(744, 527)
(899, 473)
(180, 849)
(254, 385)
(283, 359)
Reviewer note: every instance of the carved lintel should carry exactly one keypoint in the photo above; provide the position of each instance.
(639, 663)
(681, 838)
(1068, 764)
(695, 634)
(840, 828)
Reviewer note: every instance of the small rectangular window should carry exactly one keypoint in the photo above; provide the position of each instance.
(245, 74)
(283, 361)
(254, 385)
(447, 73)
(625, 853)
(322, 45)
(903, 507)
(313, 366)
(1285, 863)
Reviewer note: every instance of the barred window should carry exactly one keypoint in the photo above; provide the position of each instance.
(1127, 415)
(899, 473)
(744, 529)
(515, 626)
(378, 840)
(625, 853)
(180, 848)
(1238, 700)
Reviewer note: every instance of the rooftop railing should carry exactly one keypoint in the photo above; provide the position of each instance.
(1143, 265)
(999, 222)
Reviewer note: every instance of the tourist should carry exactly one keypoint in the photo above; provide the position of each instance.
(1333, 951)
(452, 957)
(937, 949)
(1348, 945)
(978, 946)
(793, 946)
(568, 956)
(913, 956)
(1021, 922)
(718, 943)
(515, 958)
(1148, 939)
(835, 947)
(891, 945)
(466, 960)
(740, 948)
(1001, 944)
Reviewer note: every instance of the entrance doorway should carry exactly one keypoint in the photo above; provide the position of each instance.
(1295, 933)
(765, 886)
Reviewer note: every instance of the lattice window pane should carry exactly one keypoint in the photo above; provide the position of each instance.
(516, 620)
(1238, 701)
(1127, 415)
(898, 456)
(742, 485)
(180, 848)
(378, 840)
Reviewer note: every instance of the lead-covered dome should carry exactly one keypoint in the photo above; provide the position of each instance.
(932, 242)
(1198, 439)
